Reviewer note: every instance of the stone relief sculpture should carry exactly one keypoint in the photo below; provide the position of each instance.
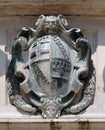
(58, 77)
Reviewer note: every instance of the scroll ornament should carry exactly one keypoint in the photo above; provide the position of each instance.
(58, 77)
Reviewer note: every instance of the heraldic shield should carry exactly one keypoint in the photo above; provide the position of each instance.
(58, 77)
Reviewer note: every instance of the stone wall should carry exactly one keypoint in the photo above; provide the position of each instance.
(48, 7)
(85, 14)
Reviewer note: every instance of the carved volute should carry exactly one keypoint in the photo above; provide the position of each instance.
(58, 77)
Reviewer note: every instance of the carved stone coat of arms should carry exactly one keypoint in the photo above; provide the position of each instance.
(58, 76)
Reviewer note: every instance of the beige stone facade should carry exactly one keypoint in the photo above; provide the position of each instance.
(48, 7)
(85, 14)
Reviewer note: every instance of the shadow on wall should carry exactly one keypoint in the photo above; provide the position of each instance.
(3, 63)
(104, 79)
(91, 36)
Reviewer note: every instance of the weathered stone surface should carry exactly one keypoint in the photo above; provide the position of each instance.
(94, 28)
(58, 75)
(48, 7)
(19, 122)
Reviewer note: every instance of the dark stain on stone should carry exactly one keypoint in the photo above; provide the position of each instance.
(83, 125)
(55, 126)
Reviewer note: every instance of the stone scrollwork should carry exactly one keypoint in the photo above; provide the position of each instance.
(58, 76)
